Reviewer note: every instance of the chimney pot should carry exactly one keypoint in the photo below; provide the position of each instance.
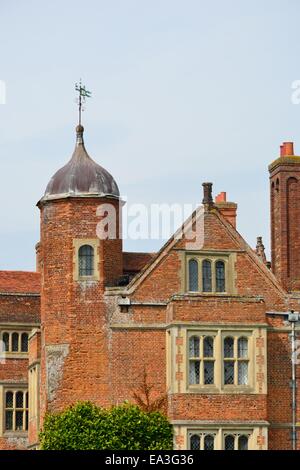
(288, 148)
(207, 193)
(221, 197)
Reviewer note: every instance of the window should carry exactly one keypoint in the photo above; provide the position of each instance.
(16, 410)
(236, 361)
(193, 275)
(201, 360)
(86, 260)
(202, 441)
(14, 342)
(219, 439)
(220, 276)
(208, 274)
(236, 441)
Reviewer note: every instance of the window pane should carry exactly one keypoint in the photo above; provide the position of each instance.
(5, 339)
(19, 400)
(243, 443)
(24, 342)
(9, 420)
(243, 347)
(206, 276)
(26, 400)
(208, 372)
(193, 275)
(195, 442)
(19, 420)
(9, 400)
(229, 443)
(194, 346)
(209, 442)
(220, 276)
(228, 372)
(228, 347)
(208, 346)
(86, 260)
(15, 342)
(243, 373)
(194, 373)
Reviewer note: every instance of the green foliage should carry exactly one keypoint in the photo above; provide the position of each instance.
(85, 426)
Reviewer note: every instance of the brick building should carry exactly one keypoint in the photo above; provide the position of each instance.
(93, 320)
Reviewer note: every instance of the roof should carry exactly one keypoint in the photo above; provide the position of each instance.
(81, 176)
(135, 261)
(20, 282)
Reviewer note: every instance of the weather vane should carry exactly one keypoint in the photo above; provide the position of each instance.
(83, 94)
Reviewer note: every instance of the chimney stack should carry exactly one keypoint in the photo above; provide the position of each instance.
(287, 149)
(207, 194)
(227, 209)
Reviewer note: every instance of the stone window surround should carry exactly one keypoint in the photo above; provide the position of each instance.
(219, 336)
(257, 432)
(227, 257)
(13, 387)
(177, 357)
(94, 243)
(10, 330)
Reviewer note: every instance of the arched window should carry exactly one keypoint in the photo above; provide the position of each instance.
(195, 442)
(208, 346)
(194, 346)
(209, 442)
(15, 342)
(242, 348)
(229, 442)
(86, 260)
(228, 347)
(9, 405)
(220, 276)
(243, 443)
(5, 340)
(24, 342)
(206, 276)
(193, 275)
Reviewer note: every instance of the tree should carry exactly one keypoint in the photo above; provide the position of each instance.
(84, 426)
(143, 396)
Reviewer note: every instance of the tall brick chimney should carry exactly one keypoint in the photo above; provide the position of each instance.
(285, 217)
(227, 209)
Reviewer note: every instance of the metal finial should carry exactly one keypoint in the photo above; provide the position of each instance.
(82, 95)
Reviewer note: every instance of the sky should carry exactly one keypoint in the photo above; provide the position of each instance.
(182, 92)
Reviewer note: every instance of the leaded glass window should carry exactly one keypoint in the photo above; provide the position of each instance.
(209, 442)
(86, 260)
(243, 373)
(228, 347)
(15, 342)
(201, 363)
(16, 410)
(5, 339)
(242, 347)
(243, 443)
(195, 442)
(220, 276)
(193, 276)
(24, 342)
(206, 276)
(229, 442)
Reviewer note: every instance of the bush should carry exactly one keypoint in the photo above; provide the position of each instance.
(84, 426)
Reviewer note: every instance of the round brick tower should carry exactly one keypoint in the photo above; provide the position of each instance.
(79, 257)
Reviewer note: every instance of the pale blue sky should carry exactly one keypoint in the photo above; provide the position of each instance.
(183, 92)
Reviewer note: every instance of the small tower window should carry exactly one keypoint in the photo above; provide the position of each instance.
(86, 260)
(24, 342)
(15, 342)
